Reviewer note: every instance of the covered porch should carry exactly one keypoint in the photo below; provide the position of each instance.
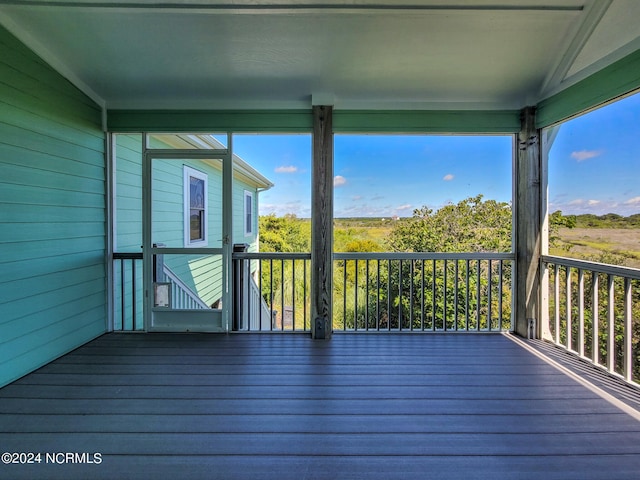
(283, 406)
(447, 389)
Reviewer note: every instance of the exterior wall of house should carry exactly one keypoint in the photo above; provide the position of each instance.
(52, 214)
(128, 193)
(239, 235)
(201, 273)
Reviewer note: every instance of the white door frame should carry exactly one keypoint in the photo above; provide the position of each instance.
(149, 251)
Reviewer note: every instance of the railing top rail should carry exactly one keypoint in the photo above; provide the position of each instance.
(127, 255)
(422, 256)
(379, 256)
(627, 272)
(271, 255)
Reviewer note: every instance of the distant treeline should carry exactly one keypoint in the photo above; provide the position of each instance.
(610, 220)
(587, 220)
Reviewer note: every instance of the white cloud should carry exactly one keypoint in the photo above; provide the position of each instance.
(279, 209)
(583, 155)
(448, 177)
(596, 207)
(339, 181)
(633, 201)
(286, 169)
(372, 210)
(355, 198)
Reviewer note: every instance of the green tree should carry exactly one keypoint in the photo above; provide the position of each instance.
(284, 234)
(438, 294)
(471, 225)
(556, 221)
(283, 281)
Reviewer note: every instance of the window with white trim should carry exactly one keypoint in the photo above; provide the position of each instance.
(248, 213)
(195, 208)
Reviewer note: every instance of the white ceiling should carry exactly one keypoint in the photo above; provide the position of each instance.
(412, 54)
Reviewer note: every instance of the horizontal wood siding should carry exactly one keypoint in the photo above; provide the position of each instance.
(168, 202)
(239, 188)
(52, 220)
(167, 214)
(202, 274)
(287, 407)
(128, 193)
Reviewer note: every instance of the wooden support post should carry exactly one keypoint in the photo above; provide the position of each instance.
(322, 223)
(528, 224)
(548, 136)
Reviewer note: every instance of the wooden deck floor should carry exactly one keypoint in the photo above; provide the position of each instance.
(285, 407)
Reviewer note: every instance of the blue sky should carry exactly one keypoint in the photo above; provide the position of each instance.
(593, 168)
(594, 164)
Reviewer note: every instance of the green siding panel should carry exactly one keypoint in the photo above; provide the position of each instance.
(30, 141)
(616, 80)
(58, 340)
(20, 58)
(32, 322)
(28, 176)
(202, 274)
(38, 267)
(409, 121)
(53, 231)
(43, 195)
(32, 162)
(52, 220)
(44, 123)
(239, 236)
(128, 193)
(54, 284)
(53, 99)
(345, 121)
(209, 121)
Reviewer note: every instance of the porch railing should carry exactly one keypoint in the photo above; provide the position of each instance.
(423, 292)
(127, 292)
(594, 312)
(400, 292)
(272, 291)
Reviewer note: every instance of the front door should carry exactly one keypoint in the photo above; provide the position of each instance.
(186, 247)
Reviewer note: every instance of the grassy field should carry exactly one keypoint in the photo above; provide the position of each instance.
(619, 245)
(372, 230)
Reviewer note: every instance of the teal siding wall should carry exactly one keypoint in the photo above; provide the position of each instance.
(202, 274)
(239, 236)
(52, 214)
(128, 193)
(127, 274)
